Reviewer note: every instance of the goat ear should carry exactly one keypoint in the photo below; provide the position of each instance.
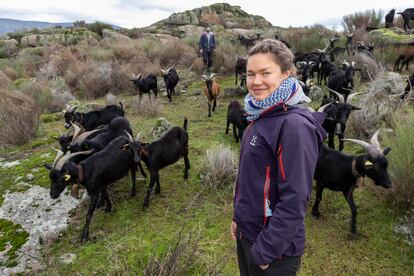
(355, 108)
(125, 147)
(386, 150)
(47, 166)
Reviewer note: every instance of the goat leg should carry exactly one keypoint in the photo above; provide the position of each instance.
(235, 134)
(133, 176)
(157, 181)
(315, 208)
(228, 124)
(186, 165)
(149, 191)
(350, 199)
(214, 105)
(209, 109)
(105, 195)
(92, 206)
(142, 170)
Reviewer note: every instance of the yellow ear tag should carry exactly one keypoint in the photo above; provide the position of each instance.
(67, 177)
(368, 163)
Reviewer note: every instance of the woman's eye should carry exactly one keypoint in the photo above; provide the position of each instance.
(250, 75)
(266, 73)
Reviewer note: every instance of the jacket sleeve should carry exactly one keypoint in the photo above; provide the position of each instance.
(214, 41)
(200, 43)
(299, 145)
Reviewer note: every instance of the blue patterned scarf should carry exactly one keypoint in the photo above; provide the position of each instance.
(289, 92)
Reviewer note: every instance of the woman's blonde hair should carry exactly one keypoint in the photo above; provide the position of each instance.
(280, 52)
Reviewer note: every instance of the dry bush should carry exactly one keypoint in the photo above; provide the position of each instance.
(147, 108)
(369, 67)
(368, 18)
(219, 169)
(161, 126)
(61, 95)
(172, 52)
(110, 99)
(19, 118)
(29, 61)
(225, 56)
(377, 106)
(96, 80)
(401, 157)
(125, 51)
(405, 227)
(57, 61)
(39, 91)
(182, 257)
(5, 82)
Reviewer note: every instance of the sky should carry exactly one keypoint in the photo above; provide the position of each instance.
(141, 13)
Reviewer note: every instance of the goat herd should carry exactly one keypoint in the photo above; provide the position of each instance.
(101, 148)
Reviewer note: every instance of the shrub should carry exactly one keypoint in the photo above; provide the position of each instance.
(225, 56)
(361, 20)
(219, 169)
(61, 95)
(377, 106)
(181, 257)
(98, 26)
(401, 157)
(147, 108)
(161, 126)
(38, 91)
(5, 82)
(19, 118)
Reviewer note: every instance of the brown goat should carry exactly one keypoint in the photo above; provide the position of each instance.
(406, 52)
(212, 90)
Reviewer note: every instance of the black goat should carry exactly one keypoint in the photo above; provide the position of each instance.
(337, 116)
(305, 69)
(96, 173)
(389, 18)
(236, 115)
(145, 85)
(340, 172)
(162, 153)
(409, 87)
(342, 80)
(240, 70)
(407, 15)
(247, 42)
(171, 79)
(325, 69)
(93, 119)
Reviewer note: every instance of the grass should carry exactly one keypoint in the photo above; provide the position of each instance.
(126, 239)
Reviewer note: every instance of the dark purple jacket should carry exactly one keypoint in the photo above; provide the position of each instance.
(278, 158)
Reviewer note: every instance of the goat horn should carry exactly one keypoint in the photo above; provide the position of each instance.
(371, 149)
(129, 136)
(204, 77)
(139, 75)
(322, 108)
(340, 96)
(138, 136)
(374, 139)
(76, 131)
(350, 96)
(59, 155)
(163, 71)
(212, 75)
(85, 135)
(65, 158)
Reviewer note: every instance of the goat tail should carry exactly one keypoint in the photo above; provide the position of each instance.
(122, 106)
(185, 124)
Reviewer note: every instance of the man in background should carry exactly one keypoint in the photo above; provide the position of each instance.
(207, 46)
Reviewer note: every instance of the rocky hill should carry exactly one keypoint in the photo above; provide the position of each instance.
(219, 16)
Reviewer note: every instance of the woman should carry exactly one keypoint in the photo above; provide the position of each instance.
(277, 160)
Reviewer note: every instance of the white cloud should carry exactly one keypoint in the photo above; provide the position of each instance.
(135, 13)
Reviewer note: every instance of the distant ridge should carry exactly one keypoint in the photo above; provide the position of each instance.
(8, 25)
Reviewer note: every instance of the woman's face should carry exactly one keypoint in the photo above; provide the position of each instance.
(264, 76)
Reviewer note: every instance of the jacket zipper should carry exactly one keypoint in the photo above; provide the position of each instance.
(266, 192)
(281, 167)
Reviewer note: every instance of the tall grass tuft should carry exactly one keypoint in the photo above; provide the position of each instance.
(19, 118)
(401, 157)
(147, 108)
(361, 20)
(182, 257)
(219, 169)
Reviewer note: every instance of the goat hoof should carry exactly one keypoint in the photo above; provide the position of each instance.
(316, 215)
(186, 176)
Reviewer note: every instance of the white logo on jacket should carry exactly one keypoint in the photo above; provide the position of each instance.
(253, 141)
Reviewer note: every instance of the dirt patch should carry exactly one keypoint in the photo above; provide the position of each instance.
(39, 215)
